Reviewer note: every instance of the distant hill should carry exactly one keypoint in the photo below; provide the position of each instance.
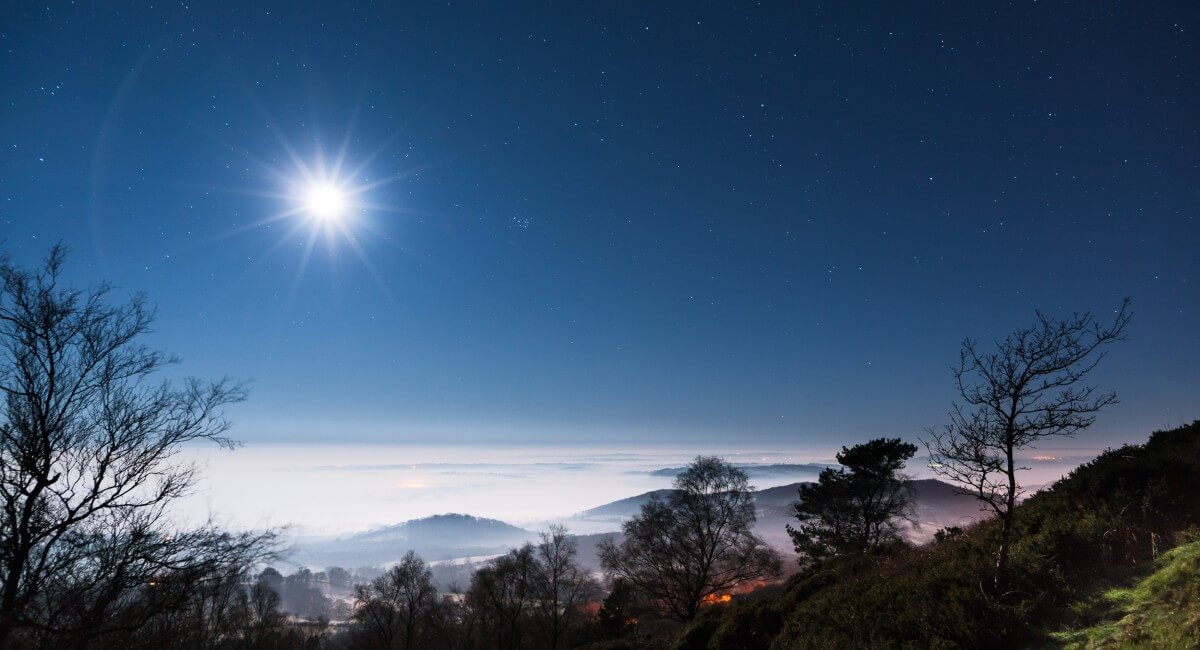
(777, 497)
(441, 539)
(623, 508)
(937, 505)
(754, 470)
(944, 504)
(449, 529)
(437, 538)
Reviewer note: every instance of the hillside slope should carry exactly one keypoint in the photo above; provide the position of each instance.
(1105, 520)
(1161, 610)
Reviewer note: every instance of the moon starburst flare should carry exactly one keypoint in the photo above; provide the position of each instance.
(325, 201)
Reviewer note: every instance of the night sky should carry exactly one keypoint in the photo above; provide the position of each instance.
(616, 222)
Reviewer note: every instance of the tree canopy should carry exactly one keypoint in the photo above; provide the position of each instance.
(696, 544)
(1030, 386)
(856, 507)
(89, 464)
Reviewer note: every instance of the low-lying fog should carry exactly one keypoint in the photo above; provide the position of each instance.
(338, 489)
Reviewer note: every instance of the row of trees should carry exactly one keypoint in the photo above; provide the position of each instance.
(680, 553)
(673, 559)
(89, 465)
(90, 444)
(313, 596)
(534, 596)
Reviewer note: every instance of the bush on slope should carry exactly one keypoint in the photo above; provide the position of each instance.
(1108, 517)
(1161, 610)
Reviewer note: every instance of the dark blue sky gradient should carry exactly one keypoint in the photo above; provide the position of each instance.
(620, 221)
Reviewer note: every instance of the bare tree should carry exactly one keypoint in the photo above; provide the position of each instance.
(395, 609)
(265, 619)
(89, 462)
(1027, 389)
(561, 586)
(501, 598)
(696, 544)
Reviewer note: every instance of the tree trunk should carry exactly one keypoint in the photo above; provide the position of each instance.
(6, 629)
(1002, 555)
(1007, 520)
(9, 607)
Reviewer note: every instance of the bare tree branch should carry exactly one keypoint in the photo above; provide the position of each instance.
(1025, 390)
(89, 446)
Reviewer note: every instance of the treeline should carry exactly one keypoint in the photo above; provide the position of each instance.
(535, 596)
(862, 585)
(680, 557)
(677, 557)
(90, 556)
(1105, 522)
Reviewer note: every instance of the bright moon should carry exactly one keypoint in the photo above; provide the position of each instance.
(325, 201)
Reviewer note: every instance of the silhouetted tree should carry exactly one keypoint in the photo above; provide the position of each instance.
(696, 544)
(272, 578)
(265, 619)
(302, 597)
(619, 612)
(396, 609)
(561, 586)
(1026, 390)
(943, 535)
(89, 465)
(502, 596)
(220, 612)
(339, 578)
(856, 507)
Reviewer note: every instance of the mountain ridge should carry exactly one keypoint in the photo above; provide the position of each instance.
(452, 536)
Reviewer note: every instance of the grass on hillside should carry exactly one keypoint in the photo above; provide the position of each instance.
(1161, 610)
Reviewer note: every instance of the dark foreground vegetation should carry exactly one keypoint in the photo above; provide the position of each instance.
(1107, 557)
(90, 556)
(1109, 519)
